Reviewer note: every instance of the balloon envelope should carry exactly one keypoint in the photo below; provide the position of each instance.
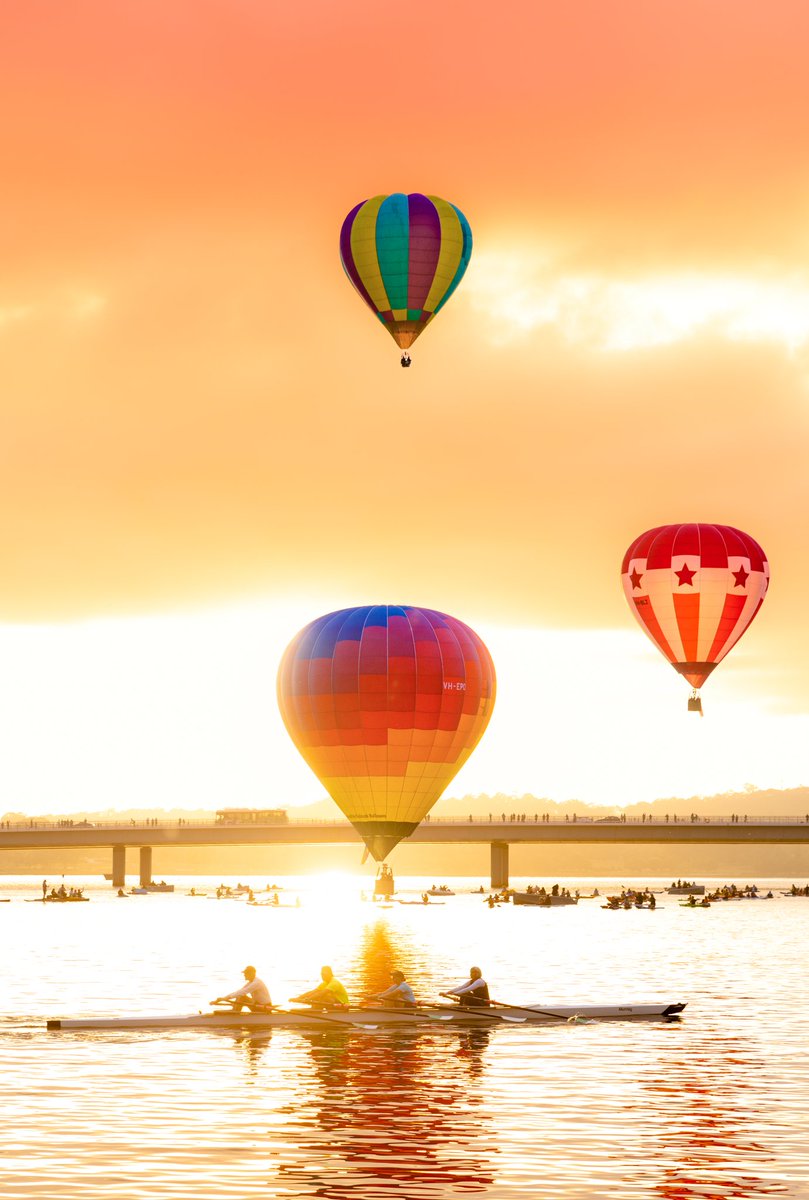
(694, 590)
(386, 703)
(405, 255)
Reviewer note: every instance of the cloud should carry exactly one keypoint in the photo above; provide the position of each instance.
(523, 294)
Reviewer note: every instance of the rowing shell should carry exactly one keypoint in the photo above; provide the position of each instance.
(377, 1017)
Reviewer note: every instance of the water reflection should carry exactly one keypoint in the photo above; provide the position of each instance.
(390, 1114)
(380, 951)
(397, 1108)
(252, 1047)
(471, 1044)
(711, 1142)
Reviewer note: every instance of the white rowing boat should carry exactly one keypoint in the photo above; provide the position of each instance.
(374, 1018)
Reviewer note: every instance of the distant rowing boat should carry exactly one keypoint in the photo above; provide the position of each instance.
(364, 1018)
(634, 907)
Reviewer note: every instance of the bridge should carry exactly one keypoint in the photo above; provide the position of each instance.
(120, 836)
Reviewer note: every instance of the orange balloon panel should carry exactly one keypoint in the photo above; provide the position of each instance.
(386, 704)
(694, 590)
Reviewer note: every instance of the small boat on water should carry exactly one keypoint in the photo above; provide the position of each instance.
(441, 890)
(149, 889)
(379, 1018)
(686, 889)
(543, 900)
(60, 900)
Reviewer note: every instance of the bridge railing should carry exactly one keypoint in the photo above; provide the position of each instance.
(34, 823)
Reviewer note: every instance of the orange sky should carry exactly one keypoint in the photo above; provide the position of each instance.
(196, 408)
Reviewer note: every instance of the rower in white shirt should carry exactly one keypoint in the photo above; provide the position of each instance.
(399, 994)
(253, 994)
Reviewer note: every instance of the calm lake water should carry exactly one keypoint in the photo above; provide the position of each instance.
(711, 1106)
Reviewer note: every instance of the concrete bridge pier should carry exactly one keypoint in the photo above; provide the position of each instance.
(145, 865)
(118, 866)
(499, 864)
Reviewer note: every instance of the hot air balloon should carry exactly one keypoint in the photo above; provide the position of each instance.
(405, 256)
(386, 703)
(694, 589)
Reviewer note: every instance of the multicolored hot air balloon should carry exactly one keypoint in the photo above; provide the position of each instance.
(386, 703)
(405, 256)
(694, 589)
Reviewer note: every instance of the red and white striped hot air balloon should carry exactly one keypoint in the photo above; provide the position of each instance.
(694, 589)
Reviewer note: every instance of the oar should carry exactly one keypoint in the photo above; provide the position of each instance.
(332, 1020)
(434, 1016)
(522, 1008)
(274, 1008)
(480, 1010)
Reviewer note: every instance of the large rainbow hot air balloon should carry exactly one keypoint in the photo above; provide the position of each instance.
(405, 256)
(386, 703)
(694, 590)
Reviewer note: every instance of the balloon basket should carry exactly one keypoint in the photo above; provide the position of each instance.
(695, 704)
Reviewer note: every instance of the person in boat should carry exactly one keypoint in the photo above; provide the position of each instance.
(399, 994)
(253, 994)
(329, 993)
(474, 993)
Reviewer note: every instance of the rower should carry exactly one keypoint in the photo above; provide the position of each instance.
(399, 994)
(474, 993)
(253, 994)
(329, 993)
